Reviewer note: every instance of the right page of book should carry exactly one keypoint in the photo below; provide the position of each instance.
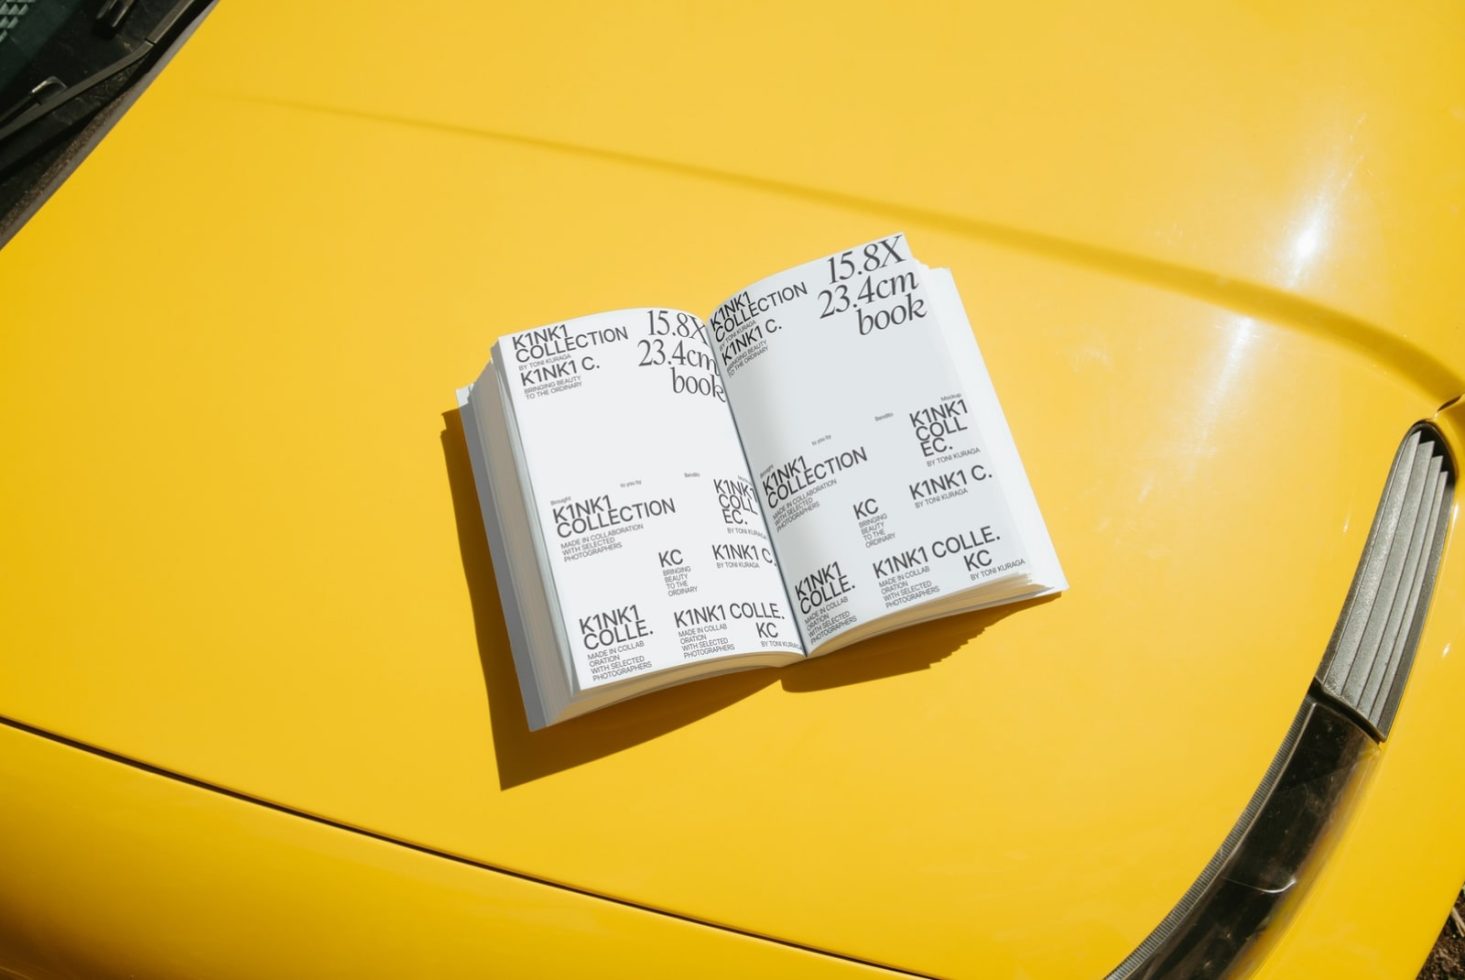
(869, 446)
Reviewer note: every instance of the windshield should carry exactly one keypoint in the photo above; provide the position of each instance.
(41, 38)
(25, 27)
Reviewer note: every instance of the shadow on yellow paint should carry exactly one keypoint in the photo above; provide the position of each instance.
(523, 755)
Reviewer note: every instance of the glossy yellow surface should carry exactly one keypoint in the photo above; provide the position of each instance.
(141, 875)
(1211, 258)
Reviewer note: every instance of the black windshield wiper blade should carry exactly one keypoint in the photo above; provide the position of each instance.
(47, 129)
(114, 12)
(46, 87)
(46, 97)
(36, 106)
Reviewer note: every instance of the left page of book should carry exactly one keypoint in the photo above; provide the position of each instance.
(656, 545)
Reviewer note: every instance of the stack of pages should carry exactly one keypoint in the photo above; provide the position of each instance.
(820, 460)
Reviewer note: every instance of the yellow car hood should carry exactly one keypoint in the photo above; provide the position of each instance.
(1211, 259)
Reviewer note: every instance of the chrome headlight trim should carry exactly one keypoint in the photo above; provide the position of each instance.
(1372, 647)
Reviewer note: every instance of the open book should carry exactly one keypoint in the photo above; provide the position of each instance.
(821, 460)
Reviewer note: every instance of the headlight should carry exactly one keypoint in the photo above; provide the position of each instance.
(1350, 708)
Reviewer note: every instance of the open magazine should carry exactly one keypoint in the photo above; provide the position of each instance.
(820, 460)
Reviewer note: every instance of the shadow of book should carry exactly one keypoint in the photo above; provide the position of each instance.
(523, 755)
(902, 651)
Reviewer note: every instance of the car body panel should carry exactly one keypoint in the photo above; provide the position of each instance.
(1310, 152)
(251, 555)
(113, 871)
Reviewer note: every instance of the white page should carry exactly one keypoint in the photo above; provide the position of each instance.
(966, 356)
(863, 439)
(657, 549)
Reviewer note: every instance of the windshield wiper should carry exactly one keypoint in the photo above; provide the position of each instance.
(52, 93)
(91, 64)
(37, 95)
